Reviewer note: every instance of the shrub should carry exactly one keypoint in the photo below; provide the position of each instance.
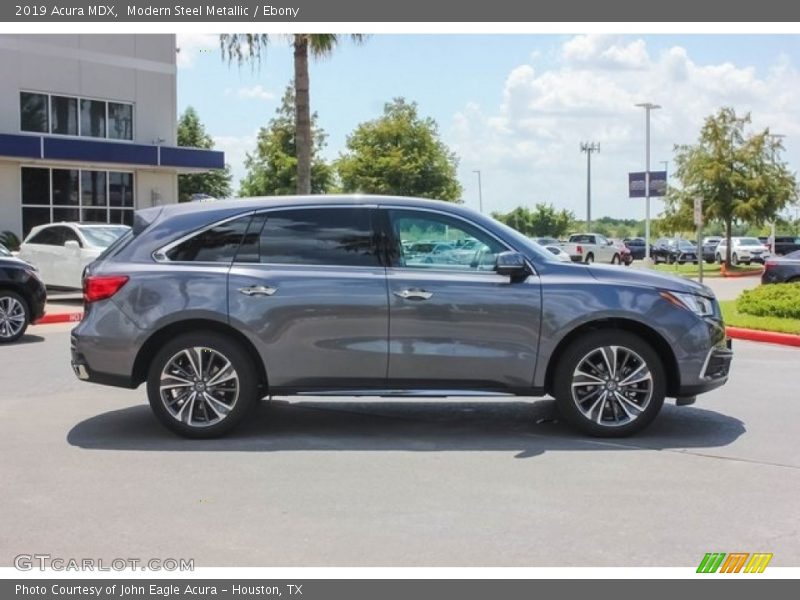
(774, 300)
(10, 240)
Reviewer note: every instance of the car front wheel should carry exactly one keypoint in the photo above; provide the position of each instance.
(202, 385)
(609, 384)
(14, 316)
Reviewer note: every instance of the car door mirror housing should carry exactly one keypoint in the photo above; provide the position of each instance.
(72, 245)
(511, 264)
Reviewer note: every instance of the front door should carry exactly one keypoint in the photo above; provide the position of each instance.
(309, 287)
(454, 322)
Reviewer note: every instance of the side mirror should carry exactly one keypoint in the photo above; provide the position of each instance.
(72, 245)
(511, 264)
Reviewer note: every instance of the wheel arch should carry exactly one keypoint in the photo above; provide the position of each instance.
(648, 334)
(149, 349)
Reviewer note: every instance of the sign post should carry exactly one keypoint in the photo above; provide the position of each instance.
(698, 221)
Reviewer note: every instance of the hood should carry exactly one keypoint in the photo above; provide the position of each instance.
(647, 278)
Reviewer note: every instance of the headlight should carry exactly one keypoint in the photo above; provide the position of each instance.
(699, 305)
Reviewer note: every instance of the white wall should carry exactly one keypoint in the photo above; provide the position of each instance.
(131, 68)
(10, 212)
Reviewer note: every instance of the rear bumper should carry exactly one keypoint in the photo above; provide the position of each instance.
(84, 372)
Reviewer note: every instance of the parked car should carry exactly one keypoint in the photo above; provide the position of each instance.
(782, 269)
(709, 248)
(625, 255)
(217, 305)
(637, 246)
(62, 250)
(591, 247)
(22, 296)
(558, 253)
(672, 250)
(785, 244)
(546, 241)
(743, 250)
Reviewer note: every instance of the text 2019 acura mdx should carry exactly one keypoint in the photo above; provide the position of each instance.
(219, 304)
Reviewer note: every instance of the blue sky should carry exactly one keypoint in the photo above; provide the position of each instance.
(515, 106)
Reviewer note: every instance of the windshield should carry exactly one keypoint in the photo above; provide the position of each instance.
(103, 237)
(749, 242)
(685, 244)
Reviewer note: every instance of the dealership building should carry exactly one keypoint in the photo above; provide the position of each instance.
(88, 128)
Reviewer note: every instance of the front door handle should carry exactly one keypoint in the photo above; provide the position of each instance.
(414, 294)
(258, 290)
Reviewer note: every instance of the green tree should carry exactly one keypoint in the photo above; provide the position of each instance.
(217, 183)
(272, 168)
(739, 177)
(249, 47)
(399, 153)
(543, 221)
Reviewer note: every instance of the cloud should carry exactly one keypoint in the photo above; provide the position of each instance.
(236, 148)
(190, 45)
(527, 147)
(258, 92)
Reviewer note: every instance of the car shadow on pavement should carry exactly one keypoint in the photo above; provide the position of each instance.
(524, 428)
(25, 339)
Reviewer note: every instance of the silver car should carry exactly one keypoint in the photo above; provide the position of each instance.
(217, 305)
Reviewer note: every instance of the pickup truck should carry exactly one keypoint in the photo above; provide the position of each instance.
(591, 247)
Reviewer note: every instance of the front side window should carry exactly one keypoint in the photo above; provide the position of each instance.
(319, 236)
(435, 241)
(33, 112)
(64, 115)
(217, 244)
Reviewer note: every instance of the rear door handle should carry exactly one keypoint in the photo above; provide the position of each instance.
(414, 294)
(258, 290)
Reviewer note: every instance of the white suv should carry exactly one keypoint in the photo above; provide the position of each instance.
(743, 250)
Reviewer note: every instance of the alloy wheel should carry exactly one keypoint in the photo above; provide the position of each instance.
(12, 317)
(199, 386)
(612, 386)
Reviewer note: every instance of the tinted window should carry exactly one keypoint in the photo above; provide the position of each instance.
(120, 121)
(50, 236)
(93, 118)
(64, 115)
(218, 244)
(36, 186)
(33, 112)
(65, 187)
(443, 253)
(319, 236)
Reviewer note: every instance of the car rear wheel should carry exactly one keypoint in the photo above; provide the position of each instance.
(589, 259)
(202, 385)
(615, 260)
(734, 259)
(609, 384)
(14, 316)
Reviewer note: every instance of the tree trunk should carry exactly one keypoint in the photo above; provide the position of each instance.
(728, 227)
(302, 114)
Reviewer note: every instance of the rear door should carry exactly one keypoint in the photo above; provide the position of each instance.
(457, 324)
(309, 287)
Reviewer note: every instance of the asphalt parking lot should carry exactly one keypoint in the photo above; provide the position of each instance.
(87, 472)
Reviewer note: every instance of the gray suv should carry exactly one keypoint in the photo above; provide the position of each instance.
(217, 305)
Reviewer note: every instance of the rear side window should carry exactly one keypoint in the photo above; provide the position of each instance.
(316, 236)
(50, 236)
(217, 244)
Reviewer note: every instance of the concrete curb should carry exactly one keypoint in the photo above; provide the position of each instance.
(725, 273)
(769, 337)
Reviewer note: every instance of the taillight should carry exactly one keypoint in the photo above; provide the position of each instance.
(100, 287)
(770, 264)
(579, 250)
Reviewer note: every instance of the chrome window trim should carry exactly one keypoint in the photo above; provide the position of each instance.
(160, 255)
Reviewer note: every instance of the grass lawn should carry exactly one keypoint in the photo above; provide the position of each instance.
(734, 318)
(690, 270)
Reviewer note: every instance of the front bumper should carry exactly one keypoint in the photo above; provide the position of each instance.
(714, 372)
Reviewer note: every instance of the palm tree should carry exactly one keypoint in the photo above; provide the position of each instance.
(249, 47)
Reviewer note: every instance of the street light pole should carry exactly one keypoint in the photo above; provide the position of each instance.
(647, 106)
(776, 139)
(589, 148)
(480, 192)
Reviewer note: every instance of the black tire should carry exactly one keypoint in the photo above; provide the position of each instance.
(583, 348)
(719, 258)
(671, 259)
(710, 261)
(615, 260)
(734, 259)
(8, 330)
(589, 258)
(213, 345)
